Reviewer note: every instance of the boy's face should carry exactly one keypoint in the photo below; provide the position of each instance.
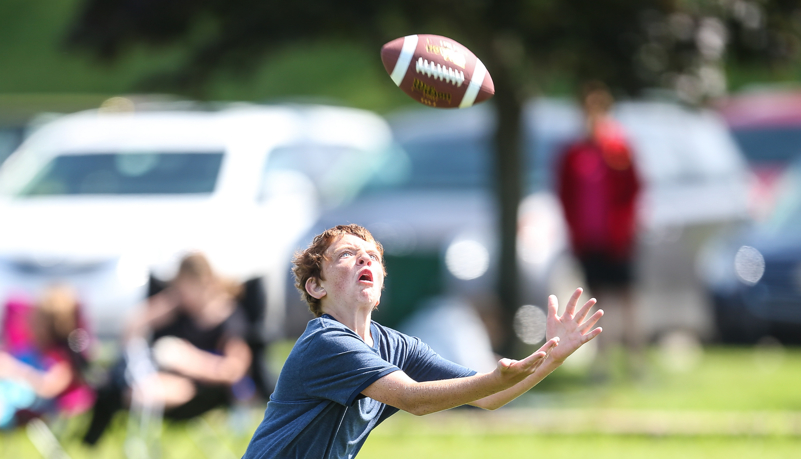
(353, 272)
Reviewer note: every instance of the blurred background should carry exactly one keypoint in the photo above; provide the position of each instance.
(160, 162)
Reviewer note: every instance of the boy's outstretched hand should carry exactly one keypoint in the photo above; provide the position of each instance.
(573, 328)
(517, 370)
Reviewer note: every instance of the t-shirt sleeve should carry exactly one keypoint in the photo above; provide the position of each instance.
(426, 365)
(339, 366)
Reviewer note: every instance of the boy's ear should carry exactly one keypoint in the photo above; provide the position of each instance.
(314, 288)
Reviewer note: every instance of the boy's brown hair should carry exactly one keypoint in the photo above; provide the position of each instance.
(309, 263)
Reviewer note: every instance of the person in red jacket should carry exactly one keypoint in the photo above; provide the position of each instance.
(598, 189)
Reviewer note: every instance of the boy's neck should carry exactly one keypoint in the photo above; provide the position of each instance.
(357, 320)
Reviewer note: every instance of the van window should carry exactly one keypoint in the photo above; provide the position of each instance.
(125, 173)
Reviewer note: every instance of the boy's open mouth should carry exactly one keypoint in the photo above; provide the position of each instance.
(366, 275)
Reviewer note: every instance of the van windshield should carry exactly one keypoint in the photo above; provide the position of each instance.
(124, 173)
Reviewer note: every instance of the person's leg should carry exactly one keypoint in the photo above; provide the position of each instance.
(593, 267)
(161, 389)
(108, 402)
(622, 328)
(206, 398)
(631, 338)
(607, 342)
(259, 373)
(610, 282)
(164, 389)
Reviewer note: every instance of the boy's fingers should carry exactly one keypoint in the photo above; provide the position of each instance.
(533, 357)
(535, 360)
(570, 309)
(585, 310)
(506, 363)
(586, 338)
(548, 347)
(553, 307)
(591, 321)
(549, 344)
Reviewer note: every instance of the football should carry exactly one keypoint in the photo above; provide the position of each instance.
(437, 71)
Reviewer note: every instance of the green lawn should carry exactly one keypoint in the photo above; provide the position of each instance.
(730, 379)
(726, 402)
(578, 446)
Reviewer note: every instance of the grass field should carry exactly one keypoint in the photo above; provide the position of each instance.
(724, 403)
(579, 446)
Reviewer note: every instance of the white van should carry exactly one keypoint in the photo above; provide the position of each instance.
(101, 200)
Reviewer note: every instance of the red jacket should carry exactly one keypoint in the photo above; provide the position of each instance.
(598, 188)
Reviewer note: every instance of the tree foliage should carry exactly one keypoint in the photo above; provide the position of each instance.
(631, 45)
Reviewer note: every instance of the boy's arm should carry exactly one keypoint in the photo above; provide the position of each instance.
(511, 379)
(399, 390)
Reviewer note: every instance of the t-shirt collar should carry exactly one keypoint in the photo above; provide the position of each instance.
(373, 329)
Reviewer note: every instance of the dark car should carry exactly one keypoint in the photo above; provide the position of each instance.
(754, 275)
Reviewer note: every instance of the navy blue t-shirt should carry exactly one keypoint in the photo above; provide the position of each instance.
(317, 410)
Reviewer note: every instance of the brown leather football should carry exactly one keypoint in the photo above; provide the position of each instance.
(437, 71)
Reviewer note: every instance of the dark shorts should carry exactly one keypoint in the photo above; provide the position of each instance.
(601, 270)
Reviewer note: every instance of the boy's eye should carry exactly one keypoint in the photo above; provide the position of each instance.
(374, 256)
(346, 254)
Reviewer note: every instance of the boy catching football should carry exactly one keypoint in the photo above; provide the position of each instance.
(347, 374)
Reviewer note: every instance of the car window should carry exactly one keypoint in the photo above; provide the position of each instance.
(675, 147)
(769, 143)
(786, 215)
(551, 126)
(442, 162)
(125, 173)
(10, 138)
(544, 151)
(312, 159)
(337, 171)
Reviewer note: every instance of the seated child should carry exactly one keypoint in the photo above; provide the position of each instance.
(42, 358)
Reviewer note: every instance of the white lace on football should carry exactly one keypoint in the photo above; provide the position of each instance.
(440, 72)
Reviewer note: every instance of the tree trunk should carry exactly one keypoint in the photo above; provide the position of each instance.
(509, 174)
